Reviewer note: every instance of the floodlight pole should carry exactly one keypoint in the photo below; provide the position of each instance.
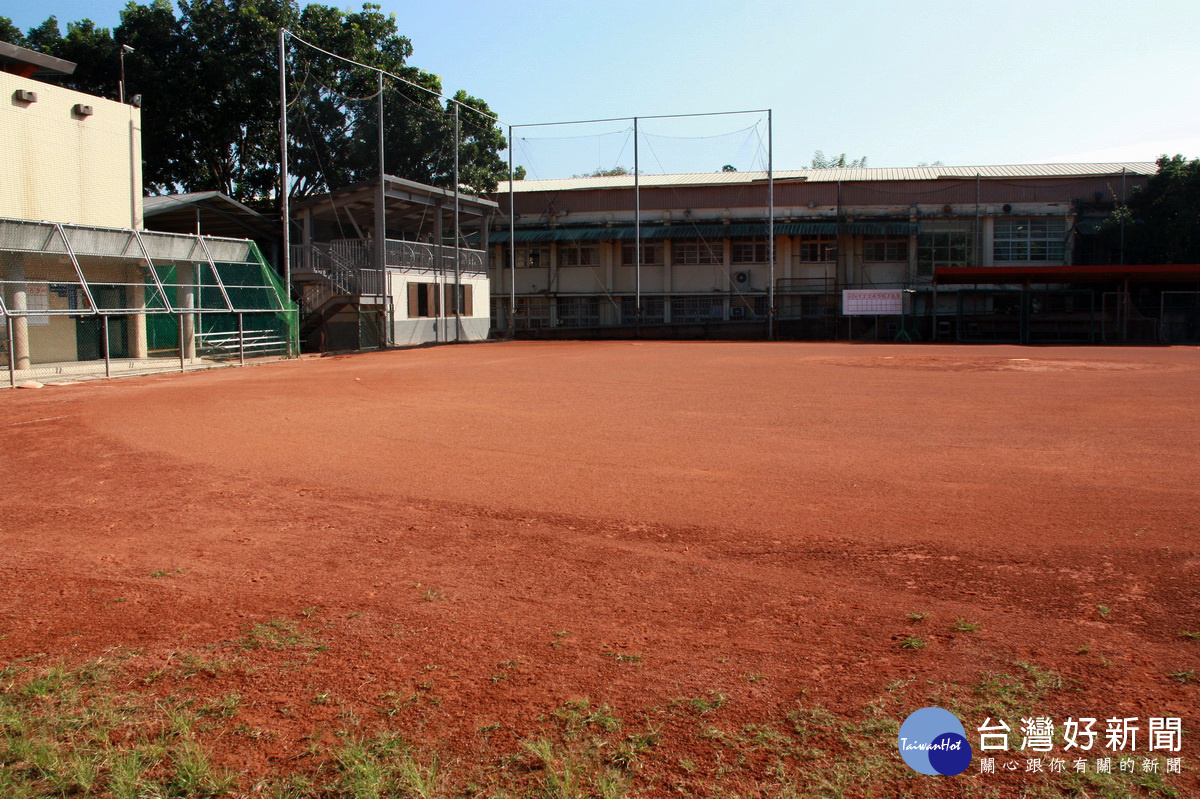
(284, 208)
(637, 231)
(512, 242)
(457, 293)
(770, 232)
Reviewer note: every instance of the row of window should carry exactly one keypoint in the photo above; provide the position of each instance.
(534, 312)
(1013, 240)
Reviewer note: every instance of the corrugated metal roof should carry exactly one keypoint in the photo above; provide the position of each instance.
(835, 175)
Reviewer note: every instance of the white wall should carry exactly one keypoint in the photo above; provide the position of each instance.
(62, 167)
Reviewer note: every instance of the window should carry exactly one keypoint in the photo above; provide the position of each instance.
(578, 311)
(422, 300)
(572, 254)
(1028, 240)
(817, 249)
(697, 309)
(749, 250)
(652, 310)
(878, 248)
(530, 256)
(532, 312)
(697, 252)
(458, 301)
(943, 249)
(652, 255)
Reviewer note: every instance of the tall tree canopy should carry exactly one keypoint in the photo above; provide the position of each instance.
(822, 161)
(209, 80)
(1161, 222)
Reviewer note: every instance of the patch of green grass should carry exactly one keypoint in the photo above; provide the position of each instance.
(1191, 635)
(433, 595)
(918, 616)
(1191, 677)
(1010, 695)
(964, 626)
(278, 634)
(911, 642)
(165, 573)
(1103, 610)
(702, 705)
(622, 657)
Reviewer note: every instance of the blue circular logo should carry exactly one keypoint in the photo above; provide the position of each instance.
(932, 741)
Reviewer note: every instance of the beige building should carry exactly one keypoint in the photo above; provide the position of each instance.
(573, 260)
(84, 290)
(72, 157)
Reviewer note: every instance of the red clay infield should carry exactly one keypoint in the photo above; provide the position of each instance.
(505, 528)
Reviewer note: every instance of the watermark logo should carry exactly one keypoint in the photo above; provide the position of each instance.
(933, 741)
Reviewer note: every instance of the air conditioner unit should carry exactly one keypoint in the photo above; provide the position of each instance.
(741, 278)
(738, 312)
(25, 96)
(81, 110)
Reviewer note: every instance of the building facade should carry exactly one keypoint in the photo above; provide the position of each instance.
(571, 255)
(379, 264)
(86, 151)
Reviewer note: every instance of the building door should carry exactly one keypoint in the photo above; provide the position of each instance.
(89, 330)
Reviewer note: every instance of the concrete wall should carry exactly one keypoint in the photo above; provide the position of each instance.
(63, 167)
(410, 329)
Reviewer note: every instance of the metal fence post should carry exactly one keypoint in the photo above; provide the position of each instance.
(241, 340)
(104, 344)
(182, 347)
(12, 353)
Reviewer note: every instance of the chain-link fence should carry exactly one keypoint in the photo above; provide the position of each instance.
(79, 302)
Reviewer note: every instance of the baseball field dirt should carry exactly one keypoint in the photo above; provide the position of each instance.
(604, 569)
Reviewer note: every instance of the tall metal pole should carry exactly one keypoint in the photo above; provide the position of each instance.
(512, 241)
(637, 229)
(284, 208)
(770, 232)
(1122, 254)
(381, 224)
(457, 240)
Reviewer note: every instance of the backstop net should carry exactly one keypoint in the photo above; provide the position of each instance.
(80, 301)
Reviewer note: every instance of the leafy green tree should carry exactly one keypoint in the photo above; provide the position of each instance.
(209, 81)
(1161, 222)
(10, 33)
(821, 161)
(729, 168)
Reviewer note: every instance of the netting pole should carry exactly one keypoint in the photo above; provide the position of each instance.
(241, 340)
(457, 240)
(12, 353)
(637, 233)
(284, 206)
(381, 224)
(770, 231)
(512, 242)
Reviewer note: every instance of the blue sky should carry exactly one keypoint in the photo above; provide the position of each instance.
(961, 82)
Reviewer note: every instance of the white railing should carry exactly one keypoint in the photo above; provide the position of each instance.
(347, 268)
